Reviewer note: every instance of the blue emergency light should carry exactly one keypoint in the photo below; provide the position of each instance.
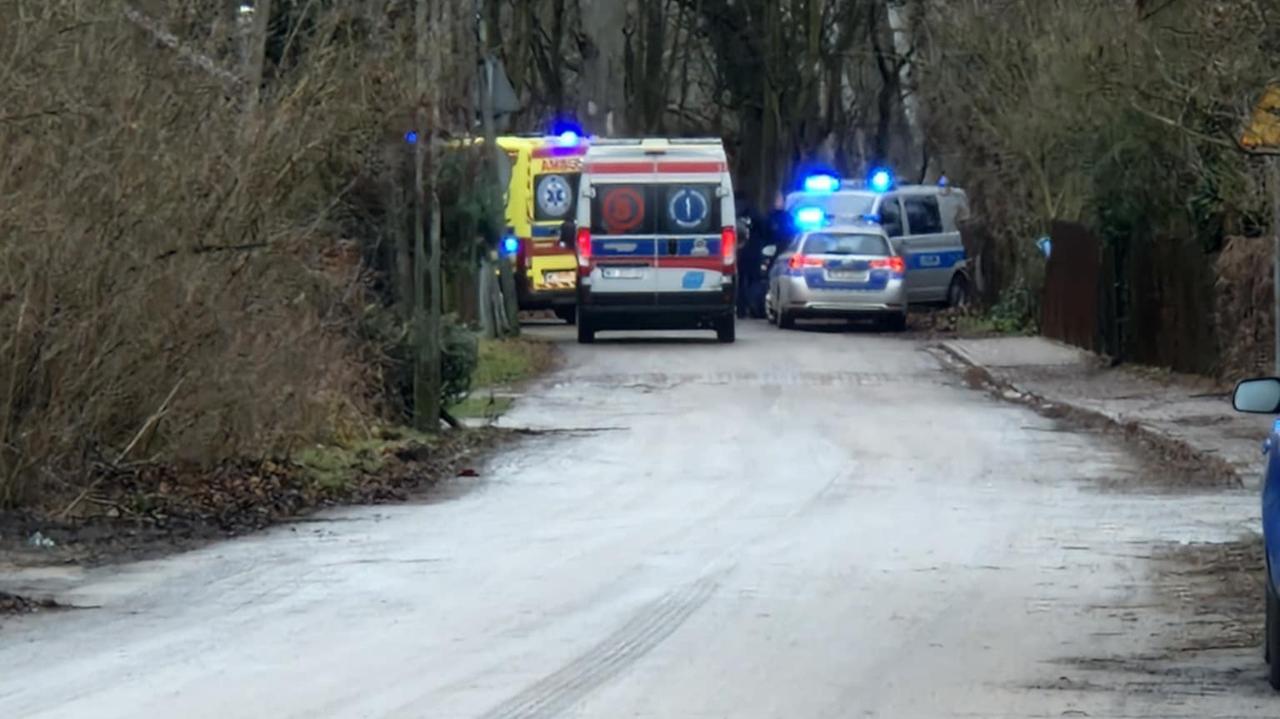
(510, 245)
(821, 184)
(566, 132)
(809, 218)
(881, 180)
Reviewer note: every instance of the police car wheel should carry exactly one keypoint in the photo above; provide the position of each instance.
(896, 322)
(586, 333)
(785, 320)
(958, 292)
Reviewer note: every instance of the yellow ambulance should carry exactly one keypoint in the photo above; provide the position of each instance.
(542, 195)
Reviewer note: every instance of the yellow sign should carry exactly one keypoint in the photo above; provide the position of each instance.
(562, 164)
(1263, 131)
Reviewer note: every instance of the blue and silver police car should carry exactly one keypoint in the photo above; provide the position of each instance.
(921, 222)
(838, 271)
(1262, 396)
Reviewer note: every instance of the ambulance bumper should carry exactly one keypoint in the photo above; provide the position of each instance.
(656, 311)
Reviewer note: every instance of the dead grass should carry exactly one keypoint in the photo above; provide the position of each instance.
(179, 281)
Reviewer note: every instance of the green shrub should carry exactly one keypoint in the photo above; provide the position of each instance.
(460, 357)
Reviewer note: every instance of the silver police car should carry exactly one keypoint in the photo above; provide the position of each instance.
(840, 271)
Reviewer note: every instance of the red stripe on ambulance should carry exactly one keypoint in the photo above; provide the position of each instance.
(691, 168)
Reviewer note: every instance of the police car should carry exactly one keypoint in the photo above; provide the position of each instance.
(921, 222)
(844, 271)
(656, 239)
(1262, 396)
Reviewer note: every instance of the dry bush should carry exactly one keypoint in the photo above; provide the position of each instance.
(1244, 310)
(168, 283)
(1116, 114)
(1014, 100)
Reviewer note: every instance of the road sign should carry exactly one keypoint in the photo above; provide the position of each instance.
(1263, 131)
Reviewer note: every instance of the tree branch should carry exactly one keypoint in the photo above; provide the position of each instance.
(171, 41)
(1230, 141)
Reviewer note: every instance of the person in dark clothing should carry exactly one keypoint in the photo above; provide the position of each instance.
(748, 254)
(748, 272)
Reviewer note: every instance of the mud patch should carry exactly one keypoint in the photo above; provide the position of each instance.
(1206, 616)
(1217, 592)
(153, 510)
(11, 604)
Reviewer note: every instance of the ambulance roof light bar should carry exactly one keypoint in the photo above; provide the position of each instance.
(656, 141)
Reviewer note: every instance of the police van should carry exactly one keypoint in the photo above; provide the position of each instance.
(655, 239)
(922, 222)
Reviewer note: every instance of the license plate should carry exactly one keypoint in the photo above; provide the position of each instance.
(623, 273)
(847, 276)
(558, 279)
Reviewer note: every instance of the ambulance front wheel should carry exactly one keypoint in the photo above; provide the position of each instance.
(568, 315)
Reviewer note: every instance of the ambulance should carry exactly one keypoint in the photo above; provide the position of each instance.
(541, 196)
(656, 238)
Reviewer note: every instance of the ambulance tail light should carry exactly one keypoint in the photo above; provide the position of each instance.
(896, 265)
(584, 247)
(729, 245)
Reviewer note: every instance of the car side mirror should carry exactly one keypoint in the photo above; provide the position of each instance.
(769, 251)
(1258, 396)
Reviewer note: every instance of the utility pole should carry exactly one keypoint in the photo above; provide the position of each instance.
(1273, 179)
(440, 29)
(511, 325)
(426, 322)
(1262, 136)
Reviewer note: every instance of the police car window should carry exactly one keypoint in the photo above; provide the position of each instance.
(555, 196)
(923, 217)
(845, 244)
(891, 217)
(847, 206)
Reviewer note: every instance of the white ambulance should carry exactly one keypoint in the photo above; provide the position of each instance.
(655, 237)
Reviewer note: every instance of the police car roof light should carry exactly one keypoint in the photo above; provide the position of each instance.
(881, 180)
(807, 218)
(821, 184)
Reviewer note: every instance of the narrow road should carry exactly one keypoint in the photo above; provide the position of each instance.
(800, 525)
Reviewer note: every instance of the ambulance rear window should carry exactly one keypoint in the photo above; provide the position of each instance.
(845, 244)
(555, 196)
(655, 209)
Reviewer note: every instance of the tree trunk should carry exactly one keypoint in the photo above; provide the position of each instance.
(603, 63)
(904, 46)
(426, 266)
(493, 175)
(255, 61)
